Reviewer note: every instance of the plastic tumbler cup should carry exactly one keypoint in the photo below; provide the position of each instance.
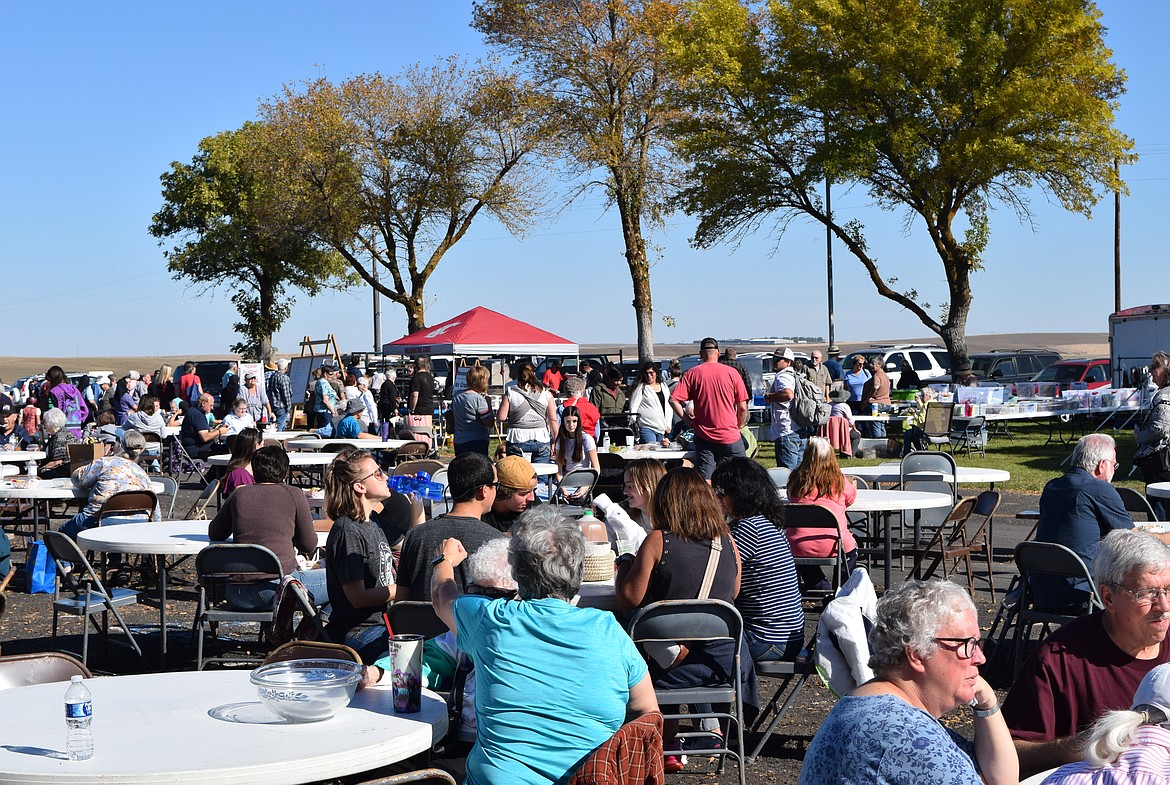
(406, 669)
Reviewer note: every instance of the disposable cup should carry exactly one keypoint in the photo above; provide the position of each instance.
(406, 670)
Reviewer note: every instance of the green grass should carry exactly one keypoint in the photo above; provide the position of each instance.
(1031, 462)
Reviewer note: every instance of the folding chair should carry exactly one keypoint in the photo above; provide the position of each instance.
(982, 540)
(972, 433)
(613, 475)
(576, 481)
(182, 463)
(21, 670)
(813, 516)
(799, 670)
(411, 451)
(927, 461)
(433, 776)
(414, 466)
(311, 650)
(128, 504)
(936, 428)
(1045, 558)
(170, 488)
(413, 617)
(86, 596)
(220, 567)
(145, 459)
(1136, 502)
(947, 546)
(700, 621)
(198, 510)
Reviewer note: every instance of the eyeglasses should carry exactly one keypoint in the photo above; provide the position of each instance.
(381, 475)
(1144, 596)
(963, 647)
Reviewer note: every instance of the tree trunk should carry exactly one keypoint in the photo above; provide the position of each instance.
(954, 335)
(639, 270)
(415, 311)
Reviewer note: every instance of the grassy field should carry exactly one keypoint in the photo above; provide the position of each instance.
(1031, 461)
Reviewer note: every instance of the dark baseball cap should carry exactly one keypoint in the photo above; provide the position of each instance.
(6, 405)
(708, 343)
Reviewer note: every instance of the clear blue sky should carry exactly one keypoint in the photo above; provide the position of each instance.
(99, 98)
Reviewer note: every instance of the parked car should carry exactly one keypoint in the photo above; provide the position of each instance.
(1005, 367)
(929, 360)
(1094, 373)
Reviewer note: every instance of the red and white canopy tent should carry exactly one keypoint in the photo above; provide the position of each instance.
(482, 331)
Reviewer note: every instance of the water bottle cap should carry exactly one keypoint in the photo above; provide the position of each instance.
(75, 679)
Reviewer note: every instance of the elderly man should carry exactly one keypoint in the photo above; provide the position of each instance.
(790, 443)
(1094, 663)
(515, 492)
(711, 397)
(472, 481)
(196, 435)
(279, 389)
(1077, 510)
(833, 364)
(12, 433)
(819, 374)
(106, 476)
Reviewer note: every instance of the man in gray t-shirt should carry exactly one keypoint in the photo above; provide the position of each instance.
(790, 443)
(471, 479)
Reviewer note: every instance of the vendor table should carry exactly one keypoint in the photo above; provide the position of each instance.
(206, 727)
(159, 539)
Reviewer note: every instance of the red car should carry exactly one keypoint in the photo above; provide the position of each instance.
(1095, 373)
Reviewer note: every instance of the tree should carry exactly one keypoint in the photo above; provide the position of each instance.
(940, 107)
(228, 216)
(390, 173)
(600, 61)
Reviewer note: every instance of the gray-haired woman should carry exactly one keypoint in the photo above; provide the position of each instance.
(925, 649)
(57, 441)
(553, 682)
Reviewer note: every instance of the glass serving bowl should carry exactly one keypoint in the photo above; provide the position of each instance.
(306, 690)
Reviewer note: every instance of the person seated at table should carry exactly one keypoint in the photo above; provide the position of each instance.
(1127, 746)
(639, 481)
(491, 577)
(818, 480)
(838, 398)
(57, 441)
(104, 430)
(1093, 663)
(689, 534)
(914, 429)
(239, 468)
(1076, 511)
(532, 728)
(908, 378)
(575, 449)
(472, 481)
(515, 492)
(274, 515)
(360, 571)
(350, 427)
(769, 598)
(238, 418)
(925, 651)
(11, 431)
(150, 419)
(197, 436)
(106, 476)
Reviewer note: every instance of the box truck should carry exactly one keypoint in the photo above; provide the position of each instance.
(1134, 335)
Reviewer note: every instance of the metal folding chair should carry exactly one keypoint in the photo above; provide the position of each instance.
(21, 670)
(1045, 558)
(220, 567)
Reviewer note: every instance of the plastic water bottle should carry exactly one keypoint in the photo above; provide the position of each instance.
(78, 713)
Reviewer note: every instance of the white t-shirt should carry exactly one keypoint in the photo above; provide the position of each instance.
(781, 421)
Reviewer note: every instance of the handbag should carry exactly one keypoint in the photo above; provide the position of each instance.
(41, 570)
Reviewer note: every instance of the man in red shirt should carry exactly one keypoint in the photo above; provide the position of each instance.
(713, 400)
(574, 387)
(553, 378)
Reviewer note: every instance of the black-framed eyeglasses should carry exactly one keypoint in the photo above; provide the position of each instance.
(1144, 596)
(491, 592)
(381, 475)
(963, 647)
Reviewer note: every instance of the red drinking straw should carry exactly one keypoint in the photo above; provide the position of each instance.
(386, 618)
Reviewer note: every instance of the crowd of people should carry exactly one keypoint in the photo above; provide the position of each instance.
(503, 568)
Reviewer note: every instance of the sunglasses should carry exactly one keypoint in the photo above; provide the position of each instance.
(378, 473)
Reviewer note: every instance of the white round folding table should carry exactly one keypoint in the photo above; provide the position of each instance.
(1159, 489)
(965, 475)
(159, 539)
(56, 489)
(206, 727)
(22, 456)
(361, 444)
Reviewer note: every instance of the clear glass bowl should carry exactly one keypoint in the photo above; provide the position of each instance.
(306, 690)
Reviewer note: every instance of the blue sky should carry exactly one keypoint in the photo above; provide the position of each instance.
(99, 98)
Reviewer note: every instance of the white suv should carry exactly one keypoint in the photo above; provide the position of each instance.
(929, 360)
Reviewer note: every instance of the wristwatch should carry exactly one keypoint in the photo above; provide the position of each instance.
(435, 562)
(983, 713)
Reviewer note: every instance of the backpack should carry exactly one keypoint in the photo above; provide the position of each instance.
(808, 408)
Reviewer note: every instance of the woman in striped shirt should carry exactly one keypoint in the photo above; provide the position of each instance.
(769, 597)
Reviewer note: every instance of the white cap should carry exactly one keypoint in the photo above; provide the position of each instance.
(1155, 689)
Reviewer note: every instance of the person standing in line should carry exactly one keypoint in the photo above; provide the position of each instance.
(833, 364)
(279, 388)
(875, 391)
(789, 440)
(711, 397)
(819, 374)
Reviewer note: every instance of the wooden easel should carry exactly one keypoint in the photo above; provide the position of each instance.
(308, 349)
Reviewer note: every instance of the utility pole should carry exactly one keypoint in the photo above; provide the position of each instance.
(1117, 237)
(829, 260)
(377, 312)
